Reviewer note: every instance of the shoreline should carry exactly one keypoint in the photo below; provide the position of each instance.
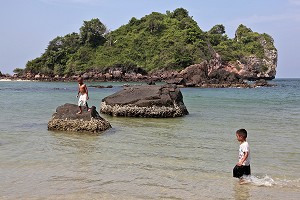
(10, 79)
(245, 84)
(206, 74)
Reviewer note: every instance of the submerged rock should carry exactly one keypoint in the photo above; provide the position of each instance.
(66, 119)
(145, 101)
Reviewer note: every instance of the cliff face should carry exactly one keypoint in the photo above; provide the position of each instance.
(259, 65)
(253, 68)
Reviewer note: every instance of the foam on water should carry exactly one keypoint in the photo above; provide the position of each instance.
(264, 181)
(268, 181)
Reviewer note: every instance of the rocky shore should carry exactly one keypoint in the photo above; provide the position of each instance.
(208, 74)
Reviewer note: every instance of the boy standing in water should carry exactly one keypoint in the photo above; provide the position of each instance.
(84, 95)
(243, 166)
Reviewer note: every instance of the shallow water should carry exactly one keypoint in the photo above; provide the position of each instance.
(183, 158)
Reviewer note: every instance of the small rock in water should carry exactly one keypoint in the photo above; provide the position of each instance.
(66, 119)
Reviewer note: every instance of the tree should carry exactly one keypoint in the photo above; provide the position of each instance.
(242, 31)
(18, 71)
(172, 40)
(217, 29)
(56, 56)
(34, 66)
(155, 23)
(180, 13)
(91, 33)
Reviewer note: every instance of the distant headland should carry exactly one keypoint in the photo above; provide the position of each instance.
(168, 47)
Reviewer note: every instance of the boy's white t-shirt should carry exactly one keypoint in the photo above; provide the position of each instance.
(244, 147)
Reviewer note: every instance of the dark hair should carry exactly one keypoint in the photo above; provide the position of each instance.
(242, 132)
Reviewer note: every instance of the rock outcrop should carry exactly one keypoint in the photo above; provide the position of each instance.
(145, 101)
(66, 119)
(259, 65)
(205, 74)
(262, 83)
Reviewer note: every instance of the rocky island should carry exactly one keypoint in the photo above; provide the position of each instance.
(168, 47)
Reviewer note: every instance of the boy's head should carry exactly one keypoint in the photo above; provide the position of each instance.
(241, 134)
(80, 80)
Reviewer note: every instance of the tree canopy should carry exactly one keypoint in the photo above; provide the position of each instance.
(172, 40)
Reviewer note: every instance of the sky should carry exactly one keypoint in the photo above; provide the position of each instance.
(27, 26)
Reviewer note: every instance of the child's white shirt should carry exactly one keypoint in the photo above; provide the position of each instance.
(244, 147)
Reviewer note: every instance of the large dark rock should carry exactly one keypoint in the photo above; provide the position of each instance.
(145, 101)
(66, 119)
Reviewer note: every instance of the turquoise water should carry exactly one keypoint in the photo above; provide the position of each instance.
(183, 158)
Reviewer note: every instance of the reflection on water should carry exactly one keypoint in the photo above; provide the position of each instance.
(241, 192)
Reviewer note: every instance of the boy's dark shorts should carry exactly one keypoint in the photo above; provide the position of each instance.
(239, 171)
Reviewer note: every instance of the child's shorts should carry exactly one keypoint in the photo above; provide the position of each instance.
(239, 171)
(82, 100)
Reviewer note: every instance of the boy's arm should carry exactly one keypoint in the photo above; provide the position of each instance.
(78, 91)
(240, 163)
(87, 92)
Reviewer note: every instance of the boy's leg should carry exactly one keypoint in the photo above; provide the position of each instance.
(245, 172)
(87, 106)
(80, 110)
(79, 105)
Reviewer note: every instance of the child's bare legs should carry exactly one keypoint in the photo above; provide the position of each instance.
(245, 179)
(87, 107)
(80, 110)
(242, 181)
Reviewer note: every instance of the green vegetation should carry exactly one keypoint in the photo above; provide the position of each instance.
(172, 41)
(18, 71)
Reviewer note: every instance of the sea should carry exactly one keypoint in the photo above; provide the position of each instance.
(189, 157)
